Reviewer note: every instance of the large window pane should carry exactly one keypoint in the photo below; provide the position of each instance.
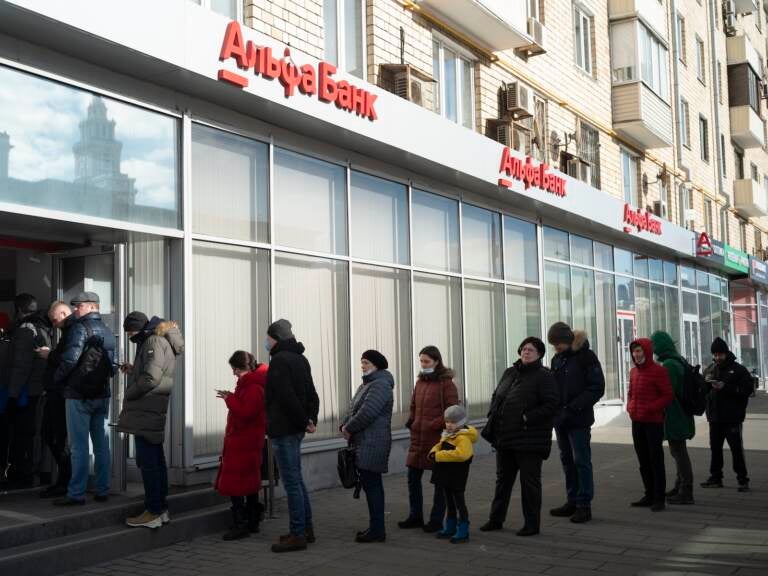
(625, 294)
(450, 85)
(641, 266)
(310, 203)
(689, 303)
(239, 277)
(557, 293)
(353, 37)
(623, 261)
(435, 232)
(379, 219)
(581, 250)
(584, 313)
(688, 277)
(556, 244)
(76, 152)
(604, 341)
(521, 253)
(656, 270)
(330, 35)
(702, 280)
(229, 185)
(437, 319)
(673, 314)
(643, 307)
(705, 327)
(603, 256)
(382, 320)
(658, 309)
(746, 333)
(312, 293)
(226, 8)
(717, 317)
(481, 242)
(467, 112)
(486, 350)
(670, 273)
(523, 318)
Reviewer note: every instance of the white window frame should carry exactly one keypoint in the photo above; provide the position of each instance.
(659, 58)
(341, 38)
(685, 123)
(633, 166)
(680, 39)
(238, 8)
(704, 139)
(585, 16)
(701, 60)
(462, 53)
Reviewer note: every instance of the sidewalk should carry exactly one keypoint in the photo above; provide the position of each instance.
(726, 532)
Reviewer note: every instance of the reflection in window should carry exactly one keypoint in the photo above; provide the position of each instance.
(523, 318)
(481, 242)
(605, 339)
(673, 313)
(344, 33)
(435, 232)
(625, 294)
(557, 291)
(581, 250)
(643, 307)
(66, 149)
(623, 261)
(556, 244)
(454, 89)
(603, 256)
(521, 260)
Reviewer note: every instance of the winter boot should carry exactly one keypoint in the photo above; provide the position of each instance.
(684, 496)
(675, 491)
(563, 511)
(712, 482)
(255, 516)
(239, 528)
(462, 533)
(581, 515)
(449, 529)
(410, 522)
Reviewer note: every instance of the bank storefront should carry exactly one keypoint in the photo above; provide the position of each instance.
(225, 185)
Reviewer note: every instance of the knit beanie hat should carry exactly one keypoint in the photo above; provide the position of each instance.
(280, 330)
(560, 333)
(376, 358)
(135, 321)
(719, 346)
(456, 415)
(537, 343)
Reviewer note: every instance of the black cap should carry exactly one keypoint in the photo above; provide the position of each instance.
(376, 358)
(560, 333)
(85, 297)
(719, 346)
(280, 330)
(536, 342)
(135, 321)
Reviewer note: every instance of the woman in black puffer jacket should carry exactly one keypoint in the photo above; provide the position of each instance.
(519, 427)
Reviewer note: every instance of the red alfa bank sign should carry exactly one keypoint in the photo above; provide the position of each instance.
(641, 220)
(529, 174)
(306, 79)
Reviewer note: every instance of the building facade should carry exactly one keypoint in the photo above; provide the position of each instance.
(390, 174)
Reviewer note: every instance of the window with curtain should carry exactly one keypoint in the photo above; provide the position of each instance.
(310, 203)
(344, 35)
(523, 318)
(312, 293)
(147, 280)
(673, 314)
(455, 83)
(521, 251)
(485, 342)
(379, 219)
(557, 293)
(435, 232)
(381, 319)
(643, 308)
(624, 51)
(584, 310)
(230, 185)
(604, 341)
(238, 277)
(481, 240)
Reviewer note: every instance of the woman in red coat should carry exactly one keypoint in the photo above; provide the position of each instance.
(433, 393)
(240, 464)
(650, 392)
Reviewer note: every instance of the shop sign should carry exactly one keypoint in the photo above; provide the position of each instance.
(736, 259)
(758, 271)
(640, 219)
(305, 78)
(704, 245)
(529, 174)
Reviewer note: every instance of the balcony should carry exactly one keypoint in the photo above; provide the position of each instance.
(739, 50)
(496, 24)
(652, 13)
(745, 6)
(640, 115)
(747, 128)
(749, 198)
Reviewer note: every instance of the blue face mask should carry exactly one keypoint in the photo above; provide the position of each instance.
(427, 370)
(267, 345)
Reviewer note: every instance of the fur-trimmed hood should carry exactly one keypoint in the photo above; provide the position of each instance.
(580, 340)
(169, 330)
(446, 374)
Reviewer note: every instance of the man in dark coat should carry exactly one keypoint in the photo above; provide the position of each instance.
(731, 386)
(292, 407)
(580, 384)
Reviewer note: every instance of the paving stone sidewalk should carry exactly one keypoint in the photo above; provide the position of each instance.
(726, 532)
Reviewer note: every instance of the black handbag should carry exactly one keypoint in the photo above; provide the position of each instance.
(347, 468)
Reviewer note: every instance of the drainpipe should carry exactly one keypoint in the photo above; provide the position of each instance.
(675, 85)
(713, 5)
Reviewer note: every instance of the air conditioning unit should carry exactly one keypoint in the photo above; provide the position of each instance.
(538, 33)
(518, 100)
(504, 134)
(405, 81)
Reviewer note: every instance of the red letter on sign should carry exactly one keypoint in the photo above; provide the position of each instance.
(506, 162)
(233, 47)
(271, 65)
(344, 98)
(358, 101)
(370, 111)
(308, 81)
(327, 85)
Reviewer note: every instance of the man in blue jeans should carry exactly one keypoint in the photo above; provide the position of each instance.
(580, 384)
(85, 371)
(292, 406)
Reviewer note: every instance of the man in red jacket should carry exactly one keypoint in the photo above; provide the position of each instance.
(650, 392)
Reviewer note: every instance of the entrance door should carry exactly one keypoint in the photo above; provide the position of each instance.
(98, 270)
(691, 338)
(626, 333)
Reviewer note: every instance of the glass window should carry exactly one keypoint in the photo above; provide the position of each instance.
(643, 307)
(685, 123)
(381, 305)
(239, 276)
(435, 232)
(641, 266)
(714, 284)
(313, 294)
(605, 339)
(583, 290)
(717, 316)
(603, 256)
(581, 250)
(379, 219)
(77, 152)
(746, 333)
(226, 8)
(629, 177)
(486, 343)
(702, 280)
(689, 303)
(229, 171)
(653, 62)
(680, 38)
(556, 244)
(437, 319)
(482, 242)
(344, 28)
(454, 91)
(670, 273)
(700, 60)
(742, 294)
(583, 39)
(523, 318)
(521, 258)
(557, 290)
(658, 309)
(673, 313)
(688, 277)
(625, 294)
(705, 327)
(704, 138)
(656, 270)
(310, 203)
(623, 260)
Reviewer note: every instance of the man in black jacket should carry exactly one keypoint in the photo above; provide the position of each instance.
(731, 385)
(292, 406)
(580, 384)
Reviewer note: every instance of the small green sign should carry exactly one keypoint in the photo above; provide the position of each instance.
(736, 259)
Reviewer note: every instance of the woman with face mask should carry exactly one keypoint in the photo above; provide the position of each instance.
(368, 429)
(434, 392)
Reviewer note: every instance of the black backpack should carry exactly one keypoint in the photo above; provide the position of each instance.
(93, 373)
(695, 389)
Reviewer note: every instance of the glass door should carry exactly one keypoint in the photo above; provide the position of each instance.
(691, 338)
(626, 334)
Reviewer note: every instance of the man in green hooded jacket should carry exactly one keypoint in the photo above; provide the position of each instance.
(678, 425)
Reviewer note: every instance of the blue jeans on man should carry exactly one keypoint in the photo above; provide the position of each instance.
(576, 457)
(288, 455)
(87, 418)
(150, 458)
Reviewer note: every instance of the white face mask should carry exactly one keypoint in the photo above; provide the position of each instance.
(427, 370)
(369, 372)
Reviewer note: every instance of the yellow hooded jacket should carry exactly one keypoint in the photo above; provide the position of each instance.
(456, 447)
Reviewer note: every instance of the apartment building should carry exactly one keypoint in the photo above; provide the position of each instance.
(388, 174)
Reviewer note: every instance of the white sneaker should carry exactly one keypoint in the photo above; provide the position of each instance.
(165, 517)
(145, 519)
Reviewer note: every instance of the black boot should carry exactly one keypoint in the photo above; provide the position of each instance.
(239, 528)
(255, 516)
(675, 491)
(581, 515)
(564, 511)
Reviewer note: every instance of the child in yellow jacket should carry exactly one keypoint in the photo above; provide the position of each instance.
(452, 457)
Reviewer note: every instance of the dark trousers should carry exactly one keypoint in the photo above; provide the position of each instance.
(247, 508)
(150, 458)
(456, 504)
(684, 476)
(508, 464)
(54, 433)
(416, 498)
(21, 447)
(374, 494)
(5, 441)
(576, 458)
(648, 439)
(731, 433)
